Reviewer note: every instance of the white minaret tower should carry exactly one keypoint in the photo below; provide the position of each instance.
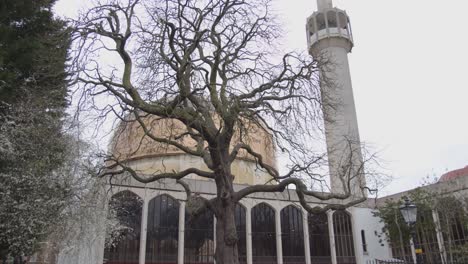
(330, 39)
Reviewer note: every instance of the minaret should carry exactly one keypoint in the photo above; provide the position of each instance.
(330, 39)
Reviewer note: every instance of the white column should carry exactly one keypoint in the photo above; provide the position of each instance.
(214, 237)
(144, 227)
(180, 247)
(357, 240)
(331, 231)
(305, 227)
(440, 237)
(248, 230)
(279, 243)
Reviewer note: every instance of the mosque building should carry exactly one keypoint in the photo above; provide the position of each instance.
(272, 227)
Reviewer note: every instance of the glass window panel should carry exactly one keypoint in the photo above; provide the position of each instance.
(199, 243)
(241, 233)
(342, 20)
(263, 234)
(363, 239)
(331, 16)
(311, 26)
(343, 238)
(162, 230)
(292, 235)
(125, 247)
(320, 18)
(319, 237)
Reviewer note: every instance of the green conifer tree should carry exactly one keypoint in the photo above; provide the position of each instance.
(33, 99)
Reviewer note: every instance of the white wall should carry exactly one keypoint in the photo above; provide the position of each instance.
(377, 245)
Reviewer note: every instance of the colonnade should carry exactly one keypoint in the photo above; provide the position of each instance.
(248, 204)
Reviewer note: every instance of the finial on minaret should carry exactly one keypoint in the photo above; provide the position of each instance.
(324, 4)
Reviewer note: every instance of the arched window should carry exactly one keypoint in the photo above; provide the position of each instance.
(263, 234)
(312, 29)
(320, 18)
(163, 230)
(241, 229)
(199, 243)
(292, 235)
(343, 238)
(331, 16)
(319, 237)
(126, 208)
(342, 20)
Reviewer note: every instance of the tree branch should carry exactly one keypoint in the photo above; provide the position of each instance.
(153, 177)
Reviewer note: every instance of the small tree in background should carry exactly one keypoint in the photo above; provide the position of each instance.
(453, 224)
(453, 217)
(212, 67)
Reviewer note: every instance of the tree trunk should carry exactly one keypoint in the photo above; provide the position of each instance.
(226, 235)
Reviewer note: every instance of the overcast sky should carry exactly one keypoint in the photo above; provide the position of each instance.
(409, 69)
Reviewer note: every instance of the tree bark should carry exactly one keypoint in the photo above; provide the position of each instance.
(226, 235)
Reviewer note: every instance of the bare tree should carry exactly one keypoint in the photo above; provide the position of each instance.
(210, 66)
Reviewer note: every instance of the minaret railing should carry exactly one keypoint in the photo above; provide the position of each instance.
(340, 29)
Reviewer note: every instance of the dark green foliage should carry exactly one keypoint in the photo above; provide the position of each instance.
(32, 54)
(395, 227)
(33, 98)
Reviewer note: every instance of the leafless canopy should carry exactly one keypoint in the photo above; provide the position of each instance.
(213, 66)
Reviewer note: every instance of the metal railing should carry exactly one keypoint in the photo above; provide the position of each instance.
(396, 261)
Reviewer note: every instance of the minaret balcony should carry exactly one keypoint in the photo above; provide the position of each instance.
(328, 23)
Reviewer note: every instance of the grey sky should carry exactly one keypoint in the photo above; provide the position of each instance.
(409, 69)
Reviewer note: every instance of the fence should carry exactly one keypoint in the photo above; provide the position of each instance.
(395, 261)
(387, 262)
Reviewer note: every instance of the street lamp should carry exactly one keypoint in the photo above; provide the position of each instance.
(410, 212)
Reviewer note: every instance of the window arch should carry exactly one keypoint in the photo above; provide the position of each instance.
(292, 235)
(319, 237)
(320, 18)
(342, 227)
(199, 239)
(342, 20)
(124, 248)
(241, 232)
(331, 17)
(263, 234)
(162, 230)
(312, 28)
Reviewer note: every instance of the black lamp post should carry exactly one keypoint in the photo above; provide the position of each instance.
(410, 212)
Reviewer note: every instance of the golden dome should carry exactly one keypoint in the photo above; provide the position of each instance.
(131, 144)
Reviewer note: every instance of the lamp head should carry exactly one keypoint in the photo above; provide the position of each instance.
(409, 212)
